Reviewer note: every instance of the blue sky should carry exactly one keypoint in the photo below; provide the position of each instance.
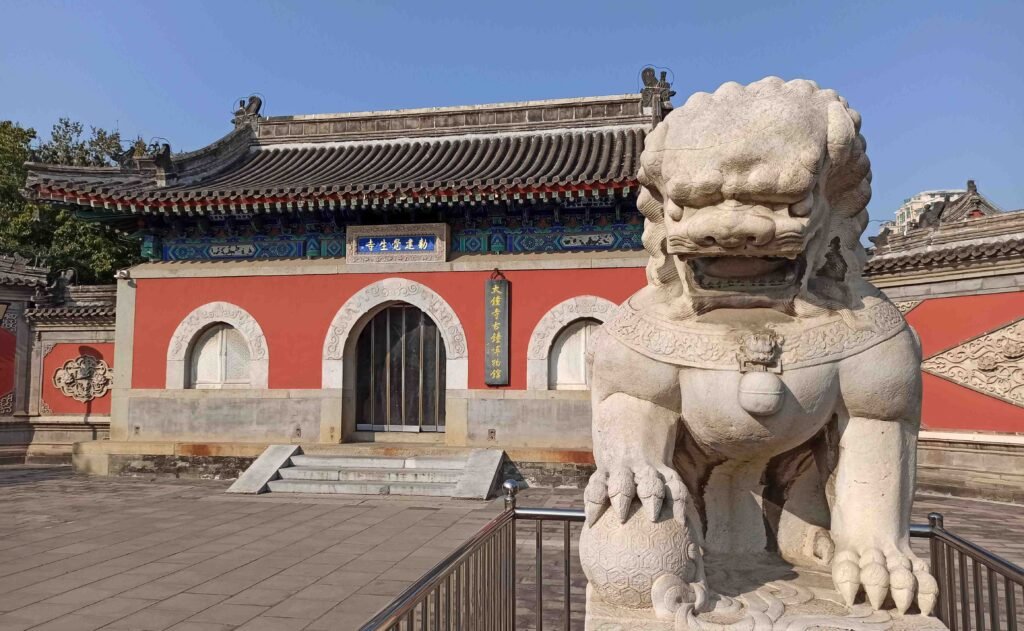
(940, 85)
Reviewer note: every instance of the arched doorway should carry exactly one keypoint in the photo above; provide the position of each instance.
(400, 372)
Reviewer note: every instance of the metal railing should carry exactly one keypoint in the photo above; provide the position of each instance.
(970, 580)
(476, 588)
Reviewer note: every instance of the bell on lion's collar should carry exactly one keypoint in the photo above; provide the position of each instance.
(761, 393)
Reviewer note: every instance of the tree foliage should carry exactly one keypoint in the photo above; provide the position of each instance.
(55, 237)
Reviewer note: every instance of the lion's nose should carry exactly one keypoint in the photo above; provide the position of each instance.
(731, 229)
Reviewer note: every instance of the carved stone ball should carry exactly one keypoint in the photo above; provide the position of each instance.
(761, 393)
(622, 560)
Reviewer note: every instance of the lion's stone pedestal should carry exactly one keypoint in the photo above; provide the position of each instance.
(760, 594)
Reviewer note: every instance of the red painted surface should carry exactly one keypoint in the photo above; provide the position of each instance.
(56, 400)
(944, 323)
(7, 345)
(296, 311)
(948, 406)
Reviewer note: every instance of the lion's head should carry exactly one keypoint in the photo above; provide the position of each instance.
(755, 196)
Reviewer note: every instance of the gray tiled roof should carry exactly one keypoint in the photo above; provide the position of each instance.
(66, 314)
(15, 271)
(947, 256)
(538, 148)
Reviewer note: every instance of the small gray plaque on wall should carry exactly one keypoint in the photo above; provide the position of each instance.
(397, 243)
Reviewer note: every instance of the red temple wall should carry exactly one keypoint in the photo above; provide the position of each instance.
(8, 343)
(944, 323)
(57, 401)
(296, 311)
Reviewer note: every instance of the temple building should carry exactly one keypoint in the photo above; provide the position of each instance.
(957, 276)
(416, 279)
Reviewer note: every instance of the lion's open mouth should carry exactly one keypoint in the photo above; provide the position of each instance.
(746, 273)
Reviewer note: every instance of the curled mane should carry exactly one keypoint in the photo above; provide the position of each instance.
(842, 164)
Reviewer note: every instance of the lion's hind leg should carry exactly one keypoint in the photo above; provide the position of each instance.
(796, 507)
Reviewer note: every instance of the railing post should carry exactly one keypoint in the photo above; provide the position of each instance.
(511, 489)
(937, 552)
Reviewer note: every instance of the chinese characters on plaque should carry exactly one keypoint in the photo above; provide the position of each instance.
(397, 243)
(414, 243)
(496, 294)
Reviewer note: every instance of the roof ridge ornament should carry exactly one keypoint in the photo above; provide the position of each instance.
(657, 93)
(247, 112)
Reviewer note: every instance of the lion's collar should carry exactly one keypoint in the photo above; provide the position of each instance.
(718, 346)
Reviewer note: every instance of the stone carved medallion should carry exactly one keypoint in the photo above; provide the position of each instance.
(992, 364)
(805, 343)
(84, 378)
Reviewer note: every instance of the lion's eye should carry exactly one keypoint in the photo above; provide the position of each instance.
(803, 207)
(673, 210)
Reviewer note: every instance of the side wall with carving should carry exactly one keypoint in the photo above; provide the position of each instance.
(74, 385)
(972, 341)
(8, 344)
(973, 369)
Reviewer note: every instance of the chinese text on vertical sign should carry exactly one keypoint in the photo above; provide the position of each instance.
(496, 296)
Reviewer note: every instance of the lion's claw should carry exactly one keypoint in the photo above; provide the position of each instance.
(619, 487)
(900, 575)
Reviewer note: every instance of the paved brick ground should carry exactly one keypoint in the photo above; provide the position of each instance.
(81, 553)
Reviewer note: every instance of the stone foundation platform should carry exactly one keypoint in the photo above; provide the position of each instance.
(761, 595)
(539, 468)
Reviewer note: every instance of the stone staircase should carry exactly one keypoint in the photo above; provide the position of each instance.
(371, 475)
(470, 473)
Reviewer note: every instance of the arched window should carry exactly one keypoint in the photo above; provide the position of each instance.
(567, 363)
(400, 378)
(219, 359)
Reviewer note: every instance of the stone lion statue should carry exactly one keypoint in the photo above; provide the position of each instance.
(758, 392)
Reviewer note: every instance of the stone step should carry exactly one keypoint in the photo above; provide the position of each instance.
(452, 472)
(380, 462)
(383, 475)
(362, 488)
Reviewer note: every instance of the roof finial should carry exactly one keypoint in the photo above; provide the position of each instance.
(972, 187)
(656, 94)
(247, 112)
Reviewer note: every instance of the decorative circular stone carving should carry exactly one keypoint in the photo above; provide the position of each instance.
(622, 561)
(84, 378)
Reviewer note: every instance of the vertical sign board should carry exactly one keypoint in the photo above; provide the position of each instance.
(496, 294)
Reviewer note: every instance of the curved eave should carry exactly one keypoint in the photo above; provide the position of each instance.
(321, 199)
(945, 257)
(465, 168)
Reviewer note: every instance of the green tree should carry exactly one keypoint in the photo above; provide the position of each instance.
(55, 237)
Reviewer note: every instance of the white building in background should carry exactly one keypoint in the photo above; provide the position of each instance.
(912, 207)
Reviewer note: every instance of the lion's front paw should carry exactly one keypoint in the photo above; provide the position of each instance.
(899, 574)
(619, 485)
